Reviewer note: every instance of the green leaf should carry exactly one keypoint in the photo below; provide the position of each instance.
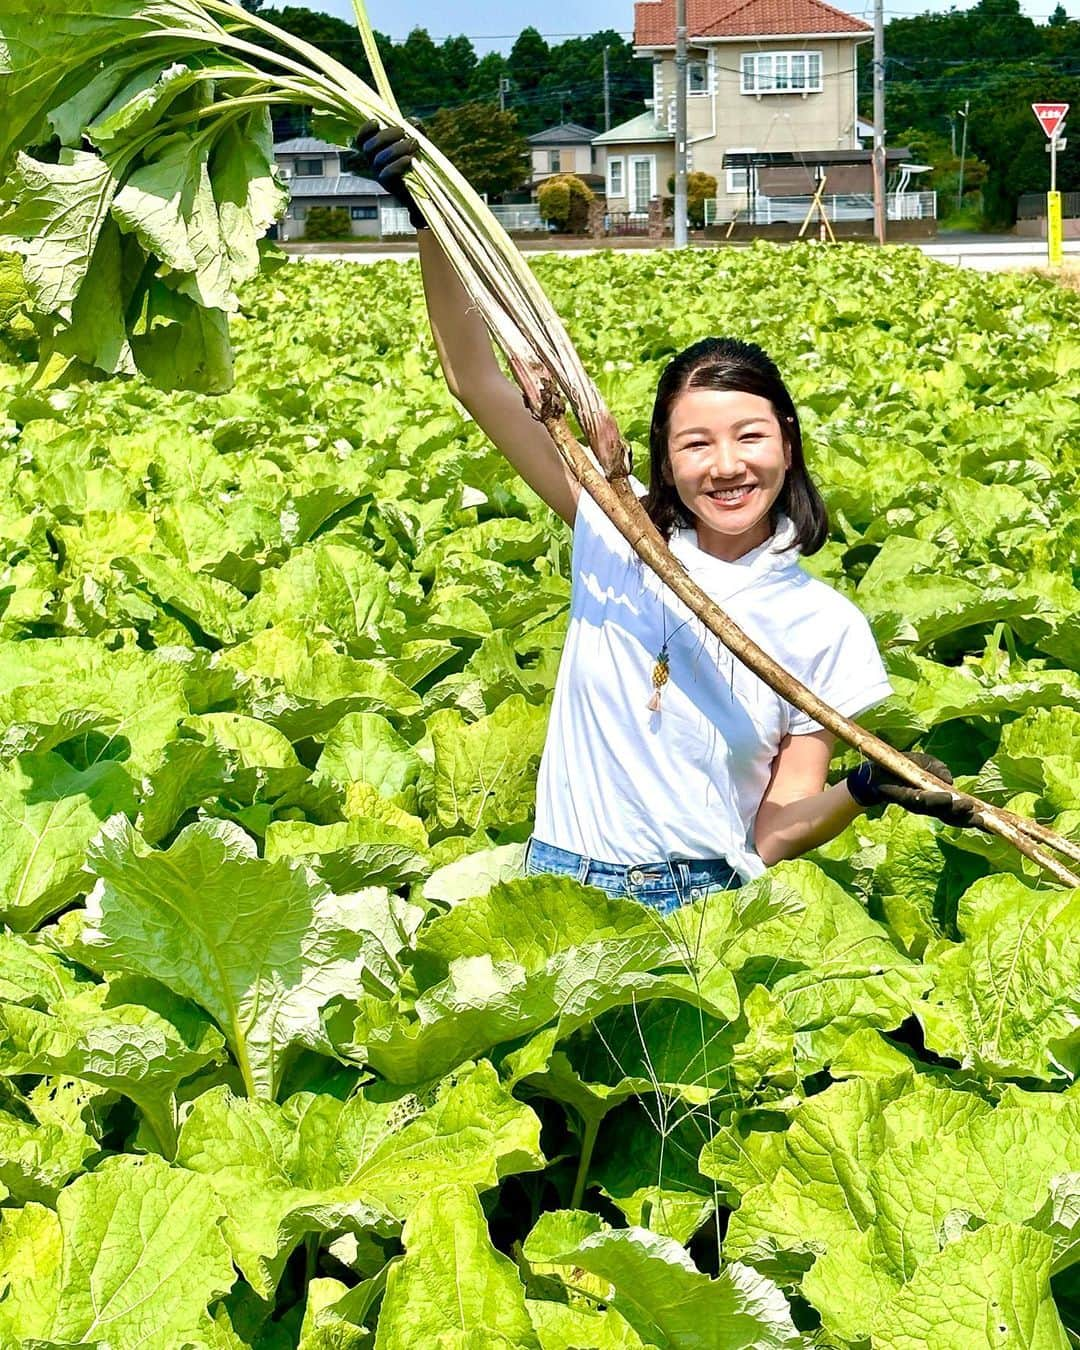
(142, 1050)
(559, 1327)
(351, 854)
(131, 1258)
(260, 945)
(1003, 1000)
(51, 812)
(453, 1288)
(30, 973)
(55, 222)
(365, 748)
(316, 1164)
(484, 770)
(304, 687)
(831, 967)
(658, 1290)
(988, 1287)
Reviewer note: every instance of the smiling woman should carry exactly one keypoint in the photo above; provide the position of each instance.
(670, 769)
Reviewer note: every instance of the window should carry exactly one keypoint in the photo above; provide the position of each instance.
(555, 161)
(309, 168)
(615, 184)
(297, 211)
(781, 73)
(364, 212)
(697, 77)
(738, 180)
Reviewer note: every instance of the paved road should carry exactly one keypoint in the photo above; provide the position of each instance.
(983, 253)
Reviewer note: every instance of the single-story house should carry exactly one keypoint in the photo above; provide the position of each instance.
(567, 148)
(318, 174)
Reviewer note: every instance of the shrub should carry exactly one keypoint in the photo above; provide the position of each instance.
(564, 200)
(327, 222)
(699, 188)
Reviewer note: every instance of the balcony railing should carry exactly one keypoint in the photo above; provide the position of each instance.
(853, 206)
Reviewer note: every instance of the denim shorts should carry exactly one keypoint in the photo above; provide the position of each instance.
(660, 885)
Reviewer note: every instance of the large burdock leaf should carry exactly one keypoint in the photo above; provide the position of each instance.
(661, 1293)
(831, 967)
(262, 946)
(316, 1164)
(52, 689)
(996, 1164)
(532, 952)
(135, 1048)
(303, 686)
(483, 769)
(453, 1289)
(131, 1258)
(560, 1327)
(55, 223)
(1005, 1001)
(990, 1287)
(50, 812)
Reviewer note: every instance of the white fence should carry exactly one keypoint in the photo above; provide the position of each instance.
(852, 206)
(394, 220)
(524, 217)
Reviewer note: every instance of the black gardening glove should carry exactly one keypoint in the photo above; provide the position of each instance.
(871, 785)
(388, 153)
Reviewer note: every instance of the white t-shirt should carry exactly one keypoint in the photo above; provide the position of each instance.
(621, 784)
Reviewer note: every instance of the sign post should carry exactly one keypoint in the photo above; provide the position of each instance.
(1051, 117)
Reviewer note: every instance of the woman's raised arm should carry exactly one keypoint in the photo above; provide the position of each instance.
(475, 379)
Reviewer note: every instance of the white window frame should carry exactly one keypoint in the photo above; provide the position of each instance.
(619, 162)
(631, 162)
(732, 176)
(554, 161)
(705, 62)
(774, 72)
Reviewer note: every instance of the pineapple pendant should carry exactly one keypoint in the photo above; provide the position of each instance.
(660, 672)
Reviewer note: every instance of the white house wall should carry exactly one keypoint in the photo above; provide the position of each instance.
(727, 119)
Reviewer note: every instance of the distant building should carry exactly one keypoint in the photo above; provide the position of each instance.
(314, 172)
(567, 148)
(770, 84)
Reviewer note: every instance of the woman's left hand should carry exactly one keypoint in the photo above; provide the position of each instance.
(871, 785)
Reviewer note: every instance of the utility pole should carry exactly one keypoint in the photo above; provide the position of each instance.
(681, 238)
(963, 153)
(607, 92)
(879, 120)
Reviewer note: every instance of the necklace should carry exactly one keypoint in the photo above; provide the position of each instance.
(661, 671)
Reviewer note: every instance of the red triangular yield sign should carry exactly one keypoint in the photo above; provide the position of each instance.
(1050, 115)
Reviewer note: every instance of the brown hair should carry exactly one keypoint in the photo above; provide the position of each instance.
(727, 363)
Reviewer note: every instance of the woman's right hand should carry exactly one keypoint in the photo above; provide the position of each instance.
(389, 155)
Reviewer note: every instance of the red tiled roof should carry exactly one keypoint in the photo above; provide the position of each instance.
(654, 20)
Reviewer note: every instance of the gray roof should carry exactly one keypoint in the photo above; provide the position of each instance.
(640, 128)
(340, 185)
(566, 133)
(307, 145)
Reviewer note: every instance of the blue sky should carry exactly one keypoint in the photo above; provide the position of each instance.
(501, 20)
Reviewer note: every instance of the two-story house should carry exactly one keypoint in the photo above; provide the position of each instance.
(770, 76)
(567, 148)
(315, 174)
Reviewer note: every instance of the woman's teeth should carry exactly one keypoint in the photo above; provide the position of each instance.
(731, 496)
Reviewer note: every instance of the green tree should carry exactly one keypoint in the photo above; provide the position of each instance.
(484, 143)
(529, 62)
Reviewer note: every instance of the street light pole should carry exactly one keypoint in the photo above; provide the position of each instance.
(963, 153)
(607, 92)
(681, 237)
(879, 121)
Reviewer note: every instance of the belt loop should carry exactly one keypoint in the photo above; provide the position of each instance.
(583, 870)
